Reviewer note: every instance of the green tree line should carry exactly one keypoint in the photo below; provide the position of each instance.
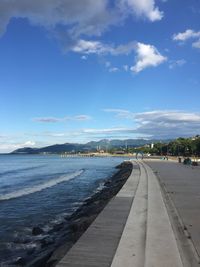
(179, 147)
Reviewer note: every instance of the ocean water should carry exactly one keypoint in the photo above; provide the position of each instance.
(42, 190)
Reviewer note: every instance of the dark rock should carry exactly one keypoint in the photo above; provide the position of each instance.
(22, 240)
(47, 241)
(30, 251)
(41, 260)
(58, 226)
(81, 224)
(107, 183)
(20, 261)
(37, 230)
(79, 221)
(51, 263)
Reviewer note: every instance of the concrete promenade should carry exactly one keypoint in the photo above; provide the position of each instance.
(134, 230)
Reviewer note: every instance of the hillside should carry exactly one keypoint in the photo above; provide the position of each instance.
(92, 146)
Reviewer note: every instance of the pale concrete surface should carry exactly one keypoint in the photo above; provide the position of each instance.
(182, 183)
(161, 246)
(98, 244)
(148, 239)
(134, 229)
(131, 249)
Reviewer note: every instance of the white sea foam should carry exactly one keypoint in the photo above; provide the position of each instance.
(40, 187)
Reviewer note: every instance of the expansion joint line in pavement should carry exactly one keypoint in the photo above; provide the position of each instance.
(148, 239)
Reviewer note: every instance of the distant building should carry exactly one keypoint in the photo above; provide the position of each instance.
(120, 152)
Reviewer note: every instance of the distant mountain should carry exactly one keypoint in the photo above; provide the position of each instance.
(52, 149)
(92, 146)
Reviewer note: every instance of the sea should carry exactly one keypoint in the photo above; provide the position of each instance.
(43, 190)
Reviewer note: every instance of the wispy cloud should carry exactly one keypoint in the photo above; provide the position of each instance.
(125, 67)
(151, 124)
(147, 56)
(99, 48)
(81, 118)
(64, 119)
(84, 57)
(176, 63)
(167, 124)
(106, 131)
(10, 146)
(49, 119)
(120, 113)
(78, 24)
(188, 35)
(161, 123)
(114, 69)
(196, 44)
(145, 8)
(78, 17)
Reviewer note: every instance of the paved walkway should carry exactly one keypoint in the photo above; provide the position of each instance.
(98, 244)
(182, 186)
(134, 229)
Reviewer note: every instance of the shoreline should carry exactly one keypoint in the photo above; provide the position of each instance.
(68, 232)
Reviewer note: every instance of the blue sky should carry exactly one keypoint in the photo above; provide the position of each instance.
(75, 71)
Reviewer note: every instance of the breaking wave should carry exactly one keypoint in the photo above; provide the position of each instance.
(40, 187)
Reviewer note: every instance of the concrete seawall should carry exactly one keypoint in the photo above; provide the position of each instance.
(134, 229)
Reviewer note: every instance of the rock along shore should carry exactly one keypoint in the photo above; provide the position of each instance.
(67, 233)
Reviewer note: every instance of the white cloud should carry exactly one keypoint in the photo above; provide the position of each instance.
(84, 57)
(160, 123)
(120, 113)
(107, 64)
(143, 8)
(168, 123)
(114, 69)
(67, 118)
(80, 17)
(76, 23)
(96, 47)
(8, 147)
(124, 49)
(126, 67)
(188, 34)
(177, 63)
(151, 124)
(90, 47)
(196, 44)
(105, 131)
(168, 116)
(147, 56)
(81, 118)
(49, 119)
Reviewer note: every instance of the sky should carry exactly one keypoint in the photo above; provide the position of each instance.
(81, 70)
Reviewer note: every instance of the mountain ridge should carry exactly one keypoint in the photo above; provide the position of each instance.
(92, 146)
